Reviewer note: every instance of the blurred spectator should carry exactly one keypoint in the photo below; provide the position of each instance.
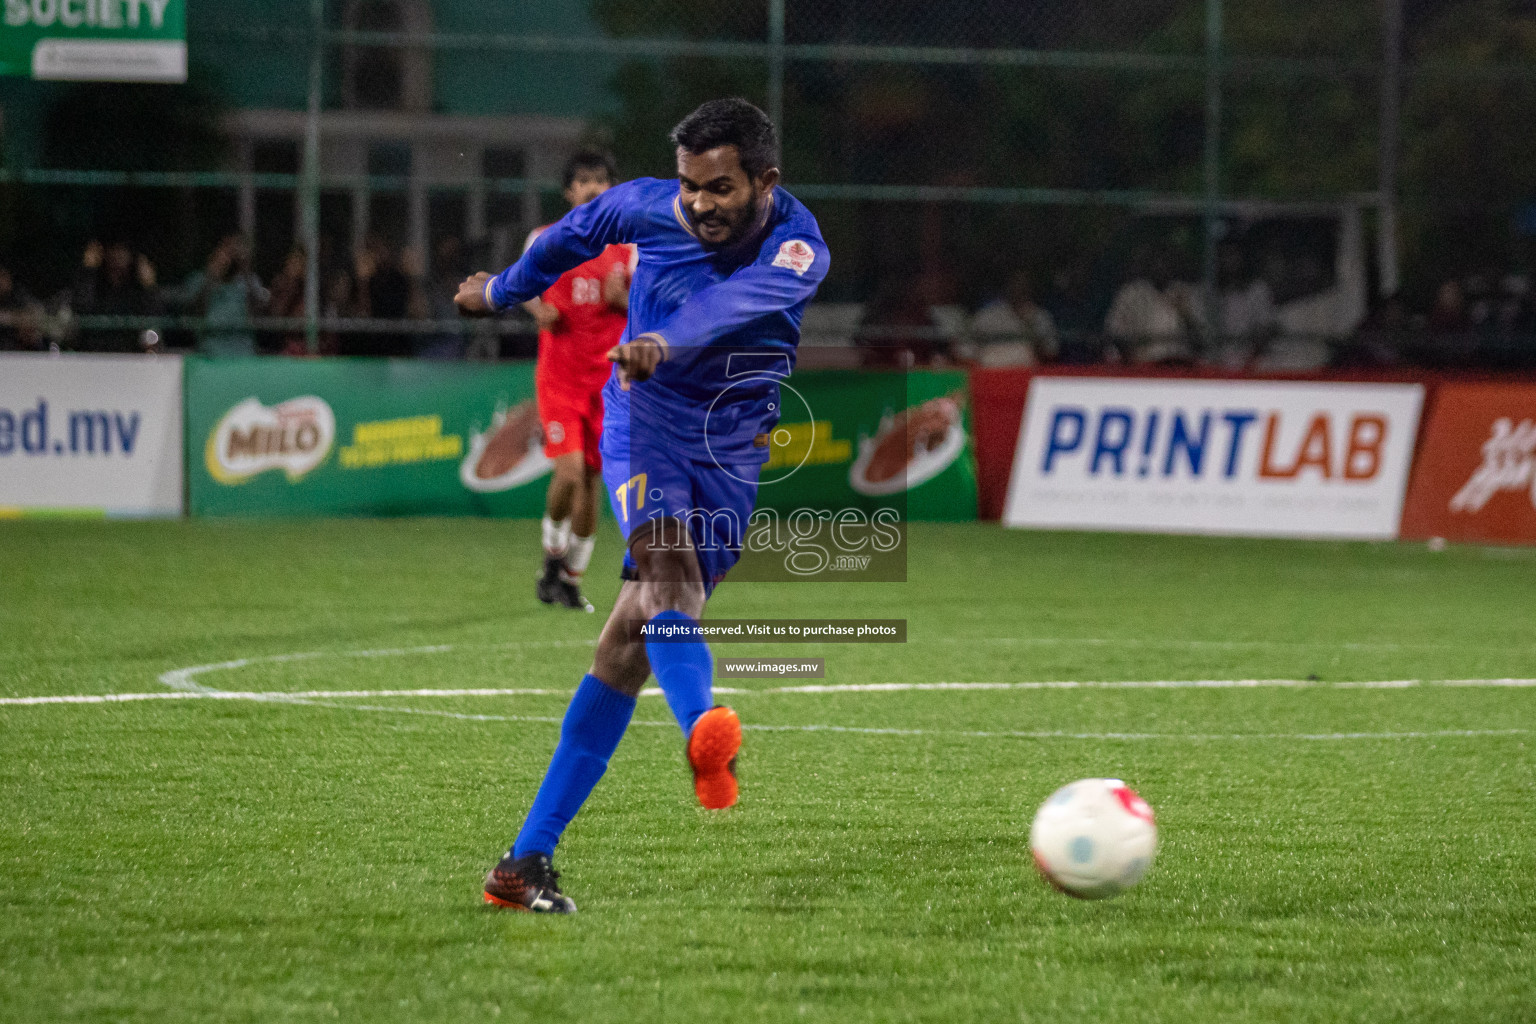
(21, 317)
(1012, 330)
(1327, 307)
(1512, 308)
(1509, 342)
(1449, 313)
(1477, 299)
(1451, 342)
(1155, 319)
(1072, 315)
(227, 294)
(337, 300)
(113, 281)
(288, 301)
(449, 267)
(1245, 308)
(898, 328)
(388, 288)
(1382, 339)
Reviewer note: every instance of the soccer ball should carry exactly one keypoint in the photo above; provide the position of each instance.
(1093, 838)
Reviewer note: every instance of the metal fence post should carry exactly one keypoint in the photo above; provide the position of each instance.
(309, 191)
(1391, 110)
(1212, 184)
(776, 65)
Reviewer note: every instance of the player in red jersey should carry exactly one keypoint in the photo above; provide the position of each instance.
(580, 319)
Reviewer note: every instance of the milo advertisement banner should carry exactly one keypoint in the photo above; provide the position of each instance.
(873, 439)
(854, 456)
(278, 437)
(95, 40)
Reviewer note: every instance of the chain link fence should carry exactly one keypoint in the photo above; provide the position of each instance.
(333, 166)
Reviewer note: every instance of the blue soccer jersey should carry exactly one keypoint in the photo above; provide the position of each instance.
(689, 442)
(731, 318)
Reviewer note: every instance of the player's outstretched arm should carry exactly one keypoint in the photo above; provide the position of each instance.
(571, 241)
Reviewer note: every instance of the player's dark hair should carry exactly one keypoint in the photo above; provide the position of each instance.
(732, 122)
(589, 160)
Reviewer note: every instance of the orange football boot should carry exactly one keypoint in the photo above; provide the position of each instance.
(712, 748)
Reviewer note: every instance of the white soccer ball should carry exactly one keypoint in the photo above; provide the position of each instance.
(1093, 838)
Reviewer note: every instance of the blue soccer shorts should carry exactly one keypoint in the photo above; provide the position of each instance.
(714, 502)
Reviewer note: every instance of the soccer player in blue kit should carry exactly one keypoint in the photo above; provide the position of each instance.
(728, 261)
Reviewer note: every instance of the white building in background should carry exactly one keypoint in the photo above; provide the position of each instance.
(436, 163)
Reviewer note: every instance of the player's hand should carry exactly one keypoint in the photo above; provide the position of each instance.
(544, 314)
(638, 359)
(471, 296)
(616, 288)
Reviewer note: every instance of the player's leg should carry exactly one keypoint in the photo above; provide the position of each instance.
(667, 587)
(561, 421)
(714, 527)
(562, 500)
(583, 521)
(589, 734)
(594, 723)
(654, 629)
(560, 581)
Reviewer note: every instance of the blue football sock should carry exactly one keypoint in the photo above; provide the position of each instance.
(684, 670)
(593, 726)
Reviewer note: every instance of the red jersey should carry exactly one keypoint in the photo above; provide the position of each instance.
(573, 355)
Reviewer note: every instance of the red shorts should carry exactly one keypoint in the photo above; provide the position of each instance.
(572, 421)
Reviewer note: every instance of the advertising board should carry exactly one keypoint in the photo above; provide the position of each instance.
(1475, 477)
(1243, 458)
(409, 437)
(98, 434)
(281, 437)
(95, 40)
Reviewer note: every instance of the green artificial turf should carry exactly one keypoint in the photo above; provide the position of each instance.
(1328, 853)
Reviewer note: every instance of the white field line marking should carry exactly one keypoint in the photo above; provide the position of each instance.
(184, 686)
(1180, 642)
(1150, 684)
(189, 689)
(976, 734)
(185, 678)
(1061, 735)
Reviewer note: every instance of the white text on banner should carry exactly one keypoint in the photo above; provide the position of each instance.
(1276, 459)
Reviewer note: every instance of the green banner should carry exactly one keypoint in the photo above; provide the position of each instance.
(275, 437)
(873, 439)
(95, 40)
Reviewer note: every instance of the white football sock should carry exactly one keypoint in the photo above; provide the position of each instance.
(557, 536)
(579, 555)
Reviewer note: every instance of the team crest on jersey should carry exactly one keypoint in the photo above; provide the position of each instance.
(554, 431)
(795, 255)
